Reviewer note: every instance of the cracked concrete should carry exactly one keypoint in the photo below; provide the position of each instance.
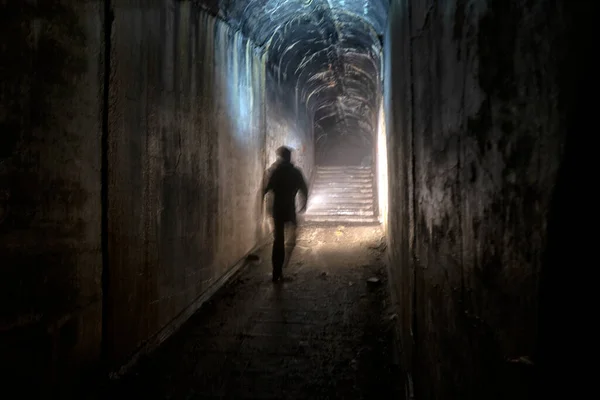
(321, 333)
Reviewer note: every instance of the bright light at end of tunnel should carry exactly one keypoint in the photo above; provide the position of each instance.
(315, 200)
(382, 167)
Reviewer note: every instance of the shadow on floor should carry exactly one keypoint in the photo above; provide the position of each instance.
(323, 333)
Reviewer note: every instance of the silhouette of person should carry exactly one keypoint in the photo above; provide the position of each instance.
(284, 179)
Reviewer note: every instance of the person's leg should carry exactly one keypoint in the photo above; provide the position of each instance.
(292, 227)
(293, 230)
(290, 244)
(278, 256)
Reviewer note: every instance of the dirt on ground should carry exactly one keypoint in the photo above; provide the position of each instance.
(325, 332)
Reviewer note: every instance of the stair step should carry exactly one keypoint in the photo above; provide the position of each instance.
(343, 220)
(342, 168)
(338, 210)
(342, 184)
(364, 174)
(344, 171)
(348, 194)
(342, 175)
(354, 182)
(350, 183)
(341, 189)
(342, 214)
(345, 195)
(340, 206)
(341, 200)
(325, 197)
(361, 213)
(346, 198)
(345, 177)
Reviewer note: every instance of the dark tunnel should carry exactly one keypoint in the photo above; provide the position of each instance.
(442, 144)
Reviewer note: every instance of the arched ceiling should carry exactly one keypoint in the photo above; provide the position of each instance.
(261, 19)
(326, 51)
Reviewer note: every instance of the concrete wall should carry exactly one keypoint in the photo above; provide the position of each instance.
(183, 149)
(186, 159)
(50, 166)
(475, 140)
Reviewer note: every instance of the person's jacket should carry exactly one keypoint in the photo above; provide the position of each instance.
(285, 180)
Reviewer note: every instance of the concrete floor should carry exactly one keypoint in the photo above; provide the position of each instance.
(323, 333)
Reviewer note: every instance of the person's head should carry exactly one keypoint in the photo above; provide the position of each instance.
(284, 153)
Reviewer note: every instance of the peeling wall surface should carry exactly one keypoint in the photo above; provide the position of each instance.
(187, 140)
(474, 145)
(50, 230)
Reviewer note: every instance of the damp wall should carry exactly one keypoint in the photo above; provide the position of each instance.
(186, 160)
(131, 168)
(475, 119)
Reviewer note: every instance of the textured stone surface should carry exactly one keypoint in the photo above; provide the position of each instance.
(322, 333)
(185, 155)
(186, 159)
(474, 144)
(50, 130)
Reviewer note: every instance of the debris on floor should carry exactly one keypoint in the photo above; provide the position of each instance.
(373, 281)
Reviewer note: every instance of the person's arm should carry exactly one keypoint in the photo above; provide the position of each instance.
(303, 189)
(268, 184)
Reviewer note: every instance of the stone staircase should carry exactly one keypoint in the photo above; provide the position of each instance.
(342, 194)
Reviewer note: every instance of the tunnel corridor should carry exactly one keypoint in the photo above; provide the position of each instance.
(324, 332)
(442, 144)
